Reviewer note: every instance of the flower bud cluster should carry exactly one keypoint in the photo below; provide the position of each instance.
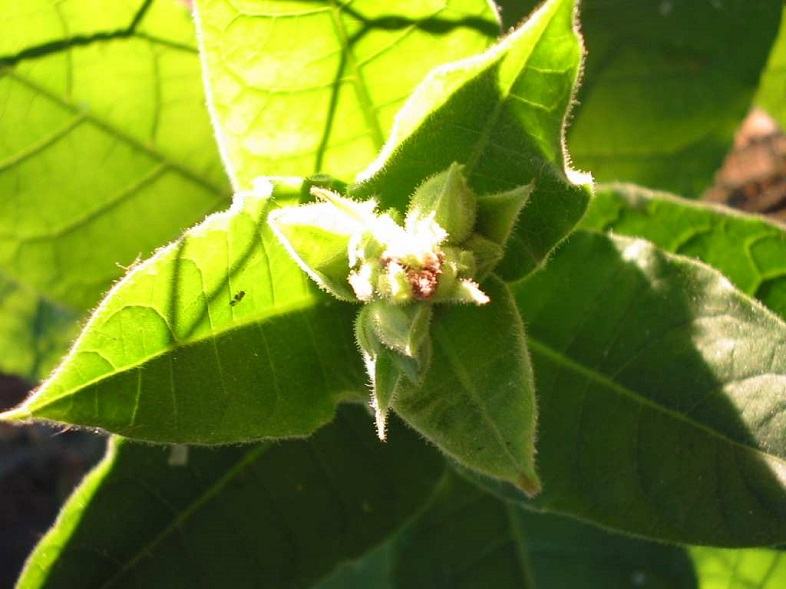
(400, 270)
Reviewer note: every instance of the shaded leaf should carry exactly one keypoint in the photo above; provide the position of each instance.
(170, 355)
(469, 538)
(667, 83)
(749, 250)
(660, 395)
(502, 115)
(477, 400)
(772, 87)
(236, 516)
(322, 92)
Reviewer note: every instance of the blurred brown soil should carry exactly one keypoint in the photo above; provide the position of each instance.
(39, 467)
(753, 177)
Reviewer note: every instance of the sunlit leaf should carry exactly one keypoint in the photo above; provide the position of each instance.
(318, 87)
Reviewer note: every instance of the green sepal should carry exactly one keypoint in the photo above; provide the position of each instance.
(486, 253)
(317, 236)
(402, 328)
(498, 213)
(449, 199)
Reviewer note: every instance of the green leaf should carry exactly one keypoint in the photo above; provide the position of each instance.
(93, 126)
(502, 114)
(660, 395)
(469, 538)
(303, 87)
(667, 84)
(277, 515)
(749, 250)
(477, 400)
(754, 568)
(34, 332)
(772, 88)
(217, 338)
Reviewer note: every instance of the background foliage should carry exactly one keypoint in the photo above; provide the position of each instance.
(645, 363)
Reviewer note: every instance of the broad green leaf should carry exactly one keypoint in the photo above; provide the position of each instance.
(667, 83)
(303, 87)
(219, 337)
(502, 114)
(661, 395)
(34, 332)
(748, 249)
(271, 515)
(106, 151)
(772, 89)
(469, 538)
(477, 400)
(94, 101)
(36, 26)
(754, 568)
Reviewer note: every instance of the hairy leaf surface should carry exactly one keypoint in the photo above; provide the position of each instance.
(502, 114)
(661, 395)
(477, 402)
(262, 515)
(319, 85)
(219, 337)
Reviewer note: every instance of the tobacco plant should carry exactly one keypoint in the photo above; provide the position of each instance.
(407, 340)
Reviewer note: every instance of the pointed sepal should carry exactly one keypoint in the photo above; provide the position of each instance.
(402, 328)
(448, 200)
(498, 213)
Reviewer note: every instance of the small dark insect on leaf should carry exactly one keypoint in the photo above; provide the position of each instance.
(237, 298)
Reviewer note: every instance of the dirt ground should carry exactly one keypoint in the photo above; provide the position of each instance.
(39, 466)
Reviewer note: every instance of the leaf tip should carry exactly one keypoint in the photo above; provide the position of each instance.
(530, 484)
(16, 415)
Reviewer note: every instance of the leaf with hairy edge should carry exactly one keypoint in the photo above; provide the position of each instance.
(748, 249)
(318, 88)
(477, 401)
(754, 568)
(83, 165)
(502, 114)
(661, 395)
(271, 506)
(219, 337)
(469, 538)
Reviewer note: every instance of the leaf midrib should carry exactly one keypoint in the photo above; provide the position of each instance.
(358, 81)
(212, 490)
(538, 346)
(276, 312)
(493, 119)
